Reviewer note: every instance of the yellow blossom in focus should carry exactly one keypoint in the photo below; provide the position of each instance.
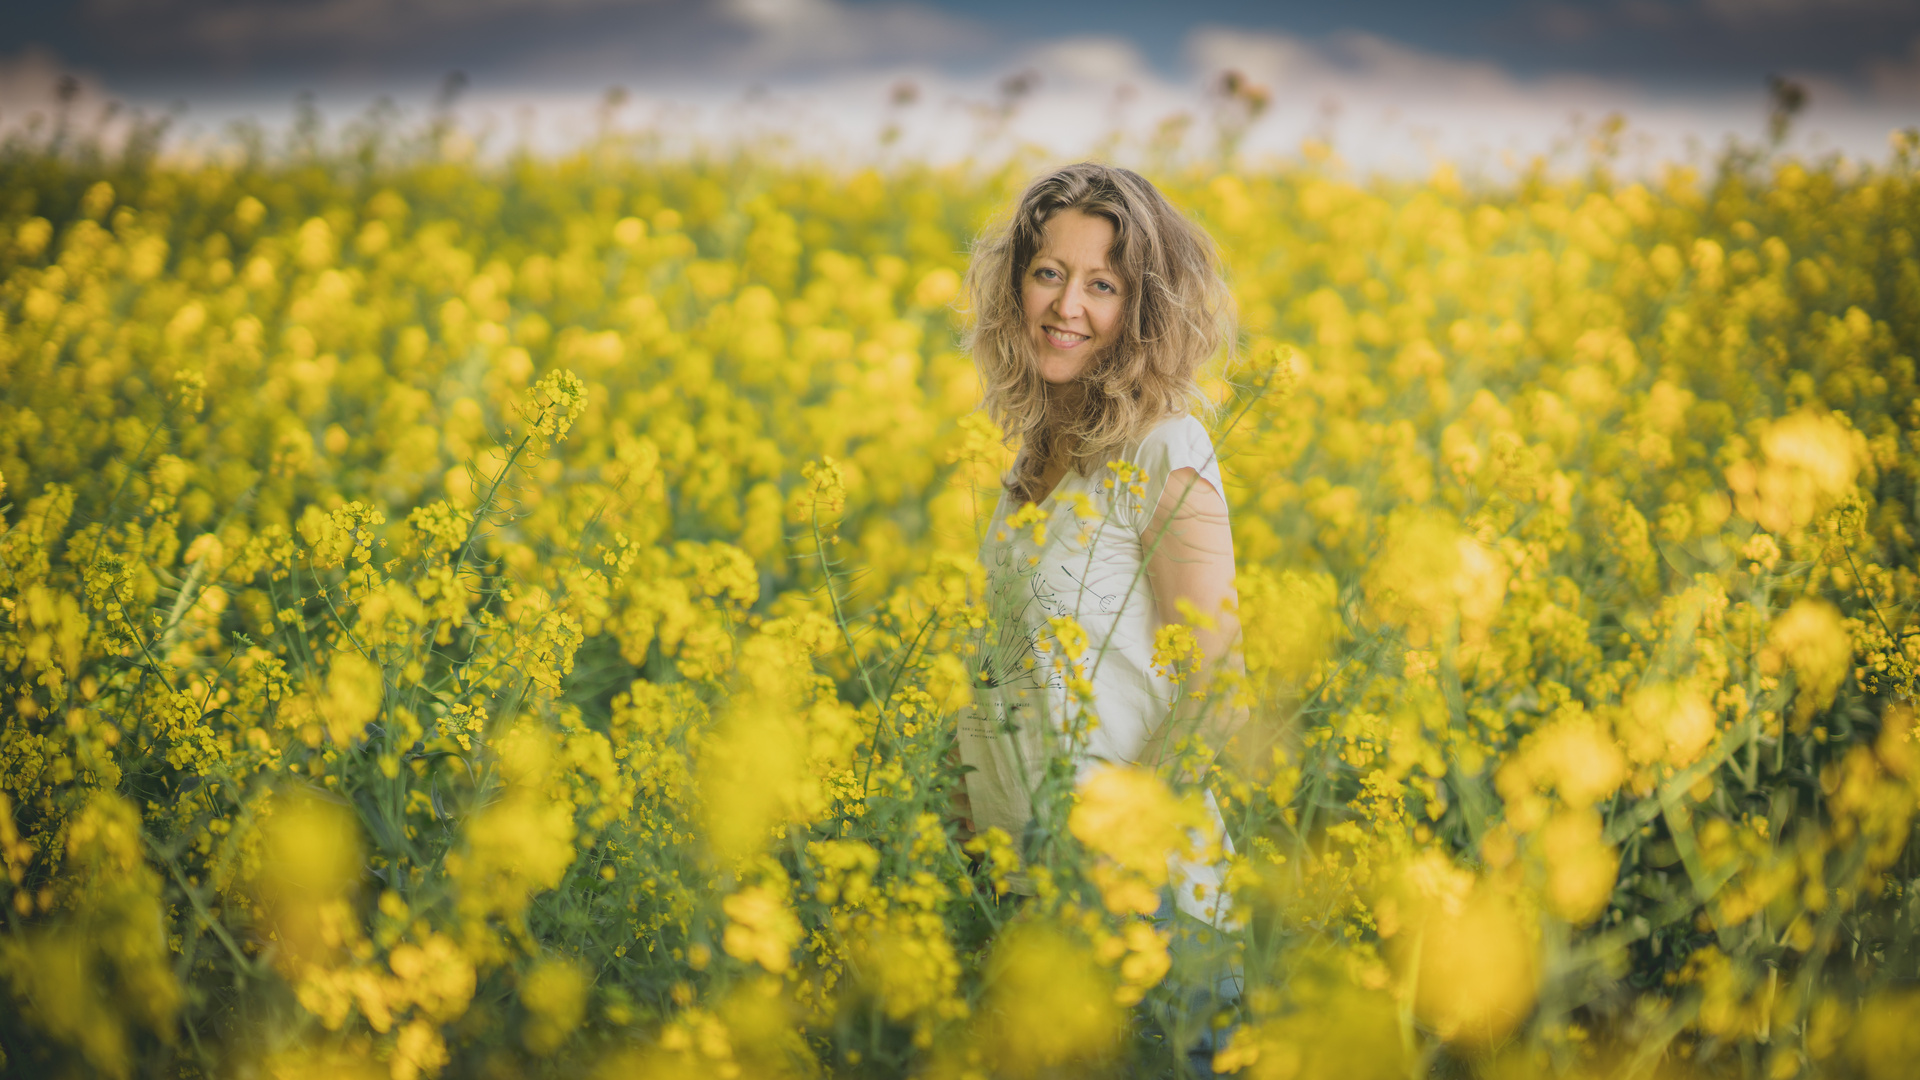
(1002, 859)
(1174, 650)
(554, 404)
(826, 493)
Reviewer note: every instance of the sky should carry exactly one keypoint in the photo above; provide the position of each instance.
(1392, 84)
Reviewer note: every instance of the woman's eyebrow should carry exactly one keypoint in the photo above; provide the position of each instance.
(1101, 269)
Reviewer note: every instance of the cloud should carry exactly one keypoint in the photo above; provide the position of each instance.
(1647, 14)
(1897, 80)
(1696, 46)
(1348, 61)
(577, 41)
(39, 92)
(811, 35)
(830, 66)
(240, 30)
(1564, 22)
(33, 80)
(164, 47)
(1748, 12)
(1098, 60)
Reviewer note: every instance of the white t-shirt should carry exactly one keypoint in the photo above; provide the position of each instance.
(1090, 564)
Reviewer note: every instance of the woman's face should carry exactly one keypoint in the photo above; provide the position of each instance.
(1071, 297)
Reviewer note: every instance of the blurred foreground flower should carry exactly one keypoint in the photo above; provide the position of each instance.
(1462, 948)
(310, 863)
(99, 979)
(1810, 640)
(1127, 815)
(555, 996)
(1434, 580)
(1808, 462)
(1049, 1004)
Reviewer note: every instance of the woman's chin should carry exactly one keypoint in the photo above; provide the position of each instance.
(1063, 372)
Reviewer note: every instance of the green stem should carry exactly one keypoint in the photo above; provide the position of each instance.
(240, 959)
(859, 665)
(134, 631)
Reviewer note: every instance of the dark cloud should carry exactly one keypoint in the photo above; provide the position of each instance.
(1865, 48)
(1700, 43)
(1677, 45)
(156, 43)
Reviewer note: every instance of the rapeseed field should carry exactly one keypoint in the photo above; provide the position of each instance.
(507, 619)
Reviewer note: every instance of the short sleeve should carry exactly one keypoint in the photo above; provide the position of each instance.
(1179, 442)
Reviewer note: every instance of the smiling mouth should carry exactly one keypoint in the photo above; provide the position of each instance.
(1063, 339)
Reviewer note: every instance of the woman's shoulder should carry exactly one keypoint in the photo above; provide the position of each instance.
(1175, 443)
(1179, 441)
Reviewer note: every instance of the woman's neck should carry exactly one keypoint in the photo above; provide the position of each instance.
(1064, 406)
(1064, 403)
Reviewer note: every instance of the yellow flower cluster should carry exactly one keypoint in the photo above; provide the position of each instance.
(511, 619)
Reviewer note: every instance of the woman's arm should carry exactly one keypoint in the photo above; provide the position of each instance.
(1189, 556)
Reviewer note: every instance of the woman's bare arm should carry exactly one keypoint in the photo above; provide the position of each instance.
(1189, 550)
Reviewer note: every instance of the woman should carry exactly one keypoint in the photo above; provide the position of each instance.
(1095, 308)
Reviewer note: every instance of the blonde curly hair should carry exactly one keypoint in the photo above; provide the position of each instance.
(1178, 313)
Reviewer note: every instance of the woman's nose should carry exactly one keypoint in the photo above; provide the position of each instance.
(1070, 300)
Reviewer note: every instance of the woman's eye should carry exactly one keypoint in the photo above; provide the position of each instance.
(1103, 286)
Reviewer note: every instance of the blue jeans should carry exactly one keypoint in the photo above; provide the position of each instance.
(1205, 983)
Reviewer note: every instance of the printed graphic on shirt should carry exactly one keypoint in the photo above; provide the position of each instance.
(1088, 598)
(979, 724)
(1039, 573)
